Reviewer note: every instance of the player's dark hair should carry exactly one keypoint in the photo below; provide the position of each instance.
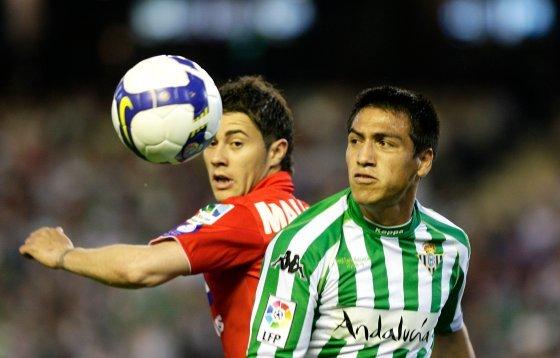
(266, 107)
(424, 122)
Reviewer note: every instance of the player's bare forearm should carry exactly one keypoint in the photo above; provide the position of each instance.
(128, 266)
(456, 344)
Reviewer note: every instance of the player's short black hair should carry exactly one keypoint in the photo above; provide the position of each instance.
(266, 107)
(424, 121)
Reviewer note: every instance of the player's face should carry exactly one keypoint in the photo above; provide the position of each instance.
(382, 169)
(237, 158)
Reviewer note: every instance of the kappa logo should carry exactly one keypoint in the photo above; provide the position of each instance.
(292, 264)
(429, 258)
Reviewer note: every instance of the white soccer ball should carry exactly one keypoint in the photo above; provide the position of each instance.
(166, 109)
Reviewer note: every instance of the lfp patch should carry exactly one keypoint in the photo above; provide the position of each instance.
(210, 214)
(276, 322)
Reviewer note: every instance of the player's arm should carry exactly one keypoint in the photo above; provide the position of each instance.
(455, 344)
(451, 335)
(129, 266)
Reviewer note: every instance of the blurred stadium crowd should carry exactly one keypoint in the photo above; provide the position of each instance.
(62, 164)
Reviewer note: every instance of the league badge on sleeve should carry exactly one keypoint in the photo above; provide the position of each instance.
(276, 322)
(210, 214)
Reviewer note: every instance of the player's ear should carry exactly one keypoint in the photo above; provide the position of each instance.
(425, 159)
(277, 151)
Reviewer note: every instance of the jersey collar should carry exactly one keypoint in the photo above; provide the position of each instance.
(400, 231)
(280, 180)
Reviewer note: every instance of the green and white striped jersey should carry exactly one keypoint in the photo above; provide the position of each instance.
(335, 284)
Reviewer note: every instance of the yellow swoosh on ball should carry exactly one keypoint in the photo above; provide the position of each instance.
(123, 105)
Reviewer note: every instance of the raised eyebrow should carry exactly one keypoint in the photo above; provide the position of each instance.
(360, 135)
(387, 135)
(232, 132)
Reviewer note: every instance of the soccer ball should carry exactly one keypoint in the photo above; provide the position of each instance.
(166, 109)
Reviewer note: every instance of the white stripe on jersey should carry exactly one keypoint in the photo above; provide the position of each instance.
(354, 238)
(298, 245)
(350, 351)
(395, 275)
(463, 253)
(449, 256)
(458, 317)
(424, 277)
(322, 339)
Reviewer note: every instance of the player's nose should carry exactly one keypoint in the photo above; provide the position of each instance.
(218, 155)
(366, 155)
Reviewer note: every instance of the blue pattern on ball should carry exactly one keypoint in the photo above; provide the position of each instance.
(183, 61)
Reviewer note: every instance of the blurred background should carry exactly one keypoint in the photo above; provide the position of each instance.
(491, 68)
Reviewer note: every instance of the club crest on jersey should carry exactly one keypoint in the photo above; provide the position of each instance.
(289, 263)
(429, 258)
(210, 214)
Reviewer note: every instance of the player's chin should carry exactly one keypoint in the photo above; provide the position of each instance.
(364, 196)
(223, 194)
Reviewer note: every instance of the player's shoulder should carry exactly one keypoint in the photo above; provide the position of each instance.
(443, 225)
(320, 216)
(313, 238)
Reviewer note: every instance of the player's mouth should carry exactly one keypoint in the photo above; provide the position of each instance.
(222, 182)
(362, 178)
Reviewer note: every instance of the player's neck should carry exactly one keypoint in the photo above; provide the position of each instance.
(393, 214)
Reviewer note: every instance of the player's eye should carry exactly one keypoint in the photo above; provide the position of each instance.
(236, 144)
(213, 143)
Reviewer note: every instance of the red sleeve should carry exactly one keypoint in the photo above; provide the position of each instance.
(233, 239)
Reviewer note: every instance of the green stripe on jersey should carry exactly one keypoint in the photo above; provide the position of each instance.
(347, 294)
(410, 273)
(368, 352)
(310, 260)
(448, 312)
(437, 240)
(378, 270)
(332, 347)
(400, 353)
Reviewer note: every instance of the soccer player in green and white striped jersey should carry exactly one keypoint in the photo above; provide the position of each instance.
(369, 272)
